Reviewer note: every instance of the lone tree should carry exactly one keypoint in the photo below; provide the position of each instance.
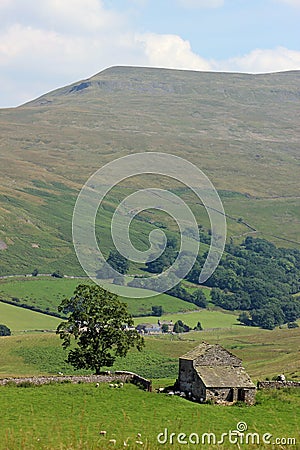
(97, 323)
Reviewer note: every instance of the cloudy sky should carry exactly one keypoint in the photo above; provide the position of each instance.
(50, 43)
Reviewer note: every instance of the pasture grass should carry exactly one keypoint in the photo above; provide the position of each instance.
(47, 293)
(20, 319)
(66, 416)
(208, 319)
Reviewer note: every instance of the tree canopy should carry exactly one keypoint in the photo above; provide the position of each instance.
(4, 330)
(257, 277)
(101, 327)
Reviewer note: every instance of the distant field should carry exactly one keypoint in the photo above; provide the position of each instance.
(47, 293)
(208, 319)
(42, 292)
(20, 319)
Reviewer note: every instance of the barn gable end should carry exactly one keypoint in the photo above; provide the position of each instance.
(210, 372)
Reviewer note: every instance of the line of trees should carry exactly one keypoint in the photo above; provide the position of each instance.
(261, 279)
(254, 276)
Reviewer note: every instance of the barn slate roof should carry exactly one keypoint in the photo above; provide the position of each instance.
(202, 349)
(224, 377)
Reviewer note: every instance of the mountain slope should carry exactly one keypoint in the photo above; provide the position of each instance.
(241, 130)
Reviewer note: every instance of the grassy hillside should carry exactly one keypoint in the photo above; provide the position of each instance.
(264, 353)
(241, 130)
(47, 293)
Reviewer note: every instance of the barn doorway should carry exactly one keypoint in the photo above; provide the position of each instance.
(241, 395)
(230, 396)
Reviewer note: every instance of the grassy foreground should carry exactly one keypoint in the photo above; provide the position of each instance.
(71, 417)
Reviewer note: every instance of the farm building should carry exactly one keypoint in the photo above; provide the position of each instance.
(168, 323)
(209, 372)
(148, 328)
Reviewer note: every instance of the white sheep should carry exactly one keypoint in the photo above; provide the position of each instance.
(97, 385)
(112, 441)
(103, 433)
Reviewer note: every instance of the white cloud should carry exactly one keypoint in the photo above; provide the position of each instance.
(47, 44)
(201, 3)
(4, 4)
(262, 61)
(67, 15)
(170, 51)
(53, 42)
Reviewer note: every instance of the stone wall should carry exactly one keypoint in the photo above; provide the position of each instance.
(136, 379)
(277, 384)
(219, 395)
(231, 395)
(105, 377)
(187, 375)
(249, 396)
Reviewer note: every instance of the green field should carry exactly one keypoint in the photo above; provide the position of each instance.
(20, 319)
(71, 417)
(208, 319)
(47, 293)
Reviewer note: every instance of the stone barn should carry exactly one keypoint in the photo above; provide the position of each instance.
(209, 372)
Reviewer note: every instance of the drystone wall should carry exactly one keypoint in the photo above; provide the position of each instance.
(277, 384)
(105, 377)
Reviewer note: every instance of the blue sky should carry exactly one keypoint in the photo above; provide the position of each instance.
(51, 43)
